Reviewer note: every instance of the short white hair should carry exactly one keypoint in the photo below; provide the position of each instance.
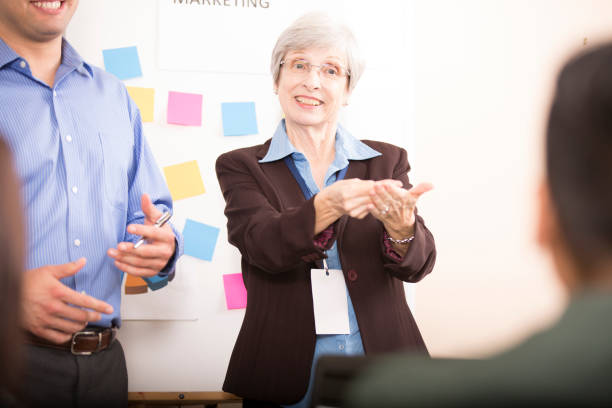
(318, 30)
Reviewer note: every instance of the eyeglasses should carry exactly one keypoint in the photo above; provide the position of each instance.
(328, 71)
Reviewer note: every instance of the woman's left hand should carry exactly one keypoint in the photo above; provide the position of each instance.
(395, 206)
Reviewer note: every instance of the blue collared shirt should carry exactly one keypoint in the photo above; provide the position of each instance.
(83, 164)
(347, 148)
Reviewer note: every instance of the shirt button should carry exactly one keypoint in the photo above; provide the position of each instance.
(352, 275)
(22, 64)
(68, 138)
(54, 93)
(75, 189)
(341, 347)
(77, 242)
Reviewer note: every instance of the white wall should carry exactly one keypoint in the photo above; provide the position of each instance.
(484, 74)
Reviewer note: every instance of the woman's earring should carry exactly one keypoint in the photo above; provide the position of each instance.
(275, 91)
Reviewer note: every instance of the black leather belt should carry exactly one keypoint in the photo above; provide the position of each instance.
(84, 342)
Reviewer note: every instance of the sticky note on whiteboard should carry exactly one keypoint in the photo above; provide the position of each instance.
(200, 239)
(135, 285)
(145, 99)
(235, 292)
(122, 62)
(184, 180)
(239, 118)
(184, 109)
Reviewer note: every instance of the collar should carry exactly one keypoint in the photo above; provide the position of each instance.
(70, 58)
(347, 146)
(7, 55)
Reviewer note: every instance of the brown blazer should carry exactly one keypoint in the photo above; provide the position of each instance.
(272, 225)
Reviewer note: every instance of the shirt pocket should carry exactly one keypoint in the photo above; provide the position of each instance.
(117, 163)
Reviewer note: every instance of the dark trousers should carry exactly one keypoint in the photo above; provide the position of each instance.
(57, 378)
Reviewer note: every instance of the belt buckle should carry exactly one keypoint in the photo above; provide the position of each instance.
(84, 333)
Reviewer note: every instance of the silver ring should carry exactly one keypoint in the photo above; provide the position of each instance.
(385, 210)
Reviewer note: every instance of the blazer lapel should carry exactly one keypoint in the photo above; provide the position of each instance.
(285, 186)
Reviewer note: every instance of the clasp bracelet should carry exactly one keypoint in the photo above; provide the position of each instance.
(404, 241)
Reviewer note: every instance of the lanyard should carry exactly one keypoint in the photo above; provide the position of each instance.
(307, 193)
(298, 177)
(328, 286)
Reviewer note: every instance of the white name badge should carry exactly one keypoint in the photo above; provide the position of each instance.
(329, 301)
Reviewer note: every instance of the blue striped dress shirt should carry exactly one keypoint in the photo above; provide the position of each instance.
(83, 163)
(347, 148)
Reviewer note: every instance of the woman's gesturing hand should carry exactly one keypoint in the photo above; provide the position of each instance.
(352, 197)
(395, 206)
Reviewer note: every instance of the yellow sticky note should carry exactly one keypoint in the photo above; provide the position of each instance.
(144, 98)
(184, 180)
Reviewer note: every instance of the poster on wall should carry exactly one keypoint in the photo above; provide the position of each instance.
(237, 36)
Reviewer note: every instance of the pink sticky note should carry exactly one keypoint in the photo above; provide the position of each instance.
(235, 292)
(184, 108)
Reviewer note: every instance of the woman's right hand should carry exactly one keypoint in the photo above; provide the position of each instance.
(345, 197)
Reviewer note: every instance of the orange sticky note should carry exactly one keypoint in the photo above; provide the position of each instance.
(145, 99)
(135, 285)
(184, 180)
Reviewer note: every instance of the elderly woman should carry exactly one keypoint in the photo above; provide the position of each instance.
(326, 225)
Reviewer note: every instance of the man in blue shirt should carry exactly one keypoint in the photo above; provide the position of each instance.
(91, 188)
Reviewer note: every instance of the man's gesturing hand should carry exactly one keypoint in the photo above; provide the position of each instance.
(151, 258)
(51, 309)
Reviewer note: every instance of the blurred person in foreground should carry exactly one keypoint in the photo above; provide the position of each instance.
(12, 244)
(314, 208)
(571, 363)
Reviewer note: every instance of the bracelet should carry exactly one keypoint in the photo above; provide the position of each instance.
(399, 241)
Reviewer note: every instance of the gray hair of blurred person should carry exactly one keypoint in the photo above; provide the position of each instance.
(318, 30)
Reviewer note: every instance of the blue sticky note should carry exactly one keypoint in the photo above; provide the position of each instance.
(239, 118)
(200, 239)
(156, 282)
(122, 62)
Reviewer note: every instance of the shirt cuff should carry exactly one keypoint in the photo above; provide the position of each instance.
(325, 239)
(388, 248)
(169, 269)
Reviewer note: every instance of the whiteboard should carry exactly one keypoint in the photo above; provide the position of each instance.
(187, 344)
